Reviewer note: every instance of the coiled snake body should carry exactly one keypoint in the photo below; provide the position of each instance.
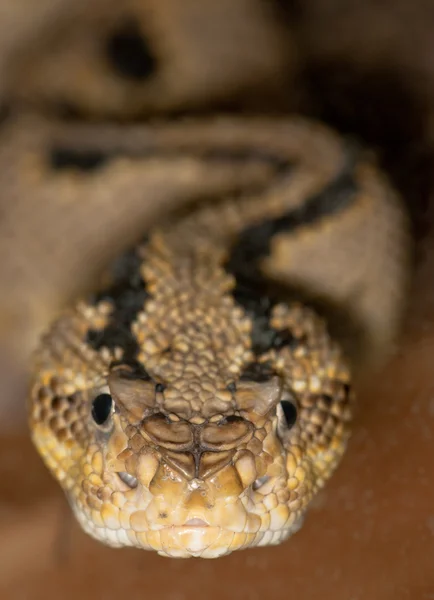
(194, 405)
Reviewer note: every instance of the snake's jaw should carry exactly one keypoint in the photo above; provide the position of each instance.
(137, 474)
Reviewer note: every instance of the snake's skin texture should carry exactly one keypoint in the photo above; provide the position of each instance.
(196, 402)
(127, 59)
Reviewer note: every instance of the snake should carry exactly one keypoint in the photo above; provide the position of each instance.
(196, 401)
(196, 387)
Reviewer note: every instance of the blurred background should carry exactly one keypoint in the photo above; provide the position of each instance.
(365, 68)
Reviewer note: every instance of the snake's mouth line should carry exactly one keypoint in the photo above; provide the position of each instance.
(195, 522)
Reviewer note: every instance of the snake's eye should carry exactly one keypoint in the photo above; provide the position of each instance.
(289, 412)
(101, 408)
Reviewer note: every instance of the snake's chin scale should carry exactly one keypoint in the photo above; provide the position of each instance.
(194, 539)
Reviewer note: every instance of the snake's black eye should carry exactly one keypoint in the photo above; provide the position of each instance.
(101, 408)
(290, 412)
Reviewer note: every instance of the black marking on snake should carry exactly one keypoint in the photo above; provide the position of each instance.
(128, 294)
(257, 371)
(252, 291)
(135, 369)
(83, 160)
(129, 52)
(254, 242)
(62, 156)
(258, 303)
(242, 155)
(327, 399)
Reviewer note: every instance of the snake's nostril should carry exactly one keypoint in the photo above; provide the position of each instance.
(128, 479)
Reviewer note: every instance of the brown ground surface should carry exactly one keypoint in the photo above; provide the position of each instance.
(371, 533)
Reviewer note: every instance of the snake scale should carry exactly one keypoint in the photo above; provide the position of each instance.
(201, 395)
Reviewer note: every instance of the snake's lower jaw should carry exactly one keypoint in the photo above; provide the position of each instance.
(189, 540)
(206, 522)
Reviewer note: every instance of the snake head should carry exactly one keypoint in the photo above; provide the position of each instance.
(141, 468)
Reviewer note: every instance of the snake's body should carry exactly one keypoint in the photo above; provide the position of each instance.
(194, 405)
